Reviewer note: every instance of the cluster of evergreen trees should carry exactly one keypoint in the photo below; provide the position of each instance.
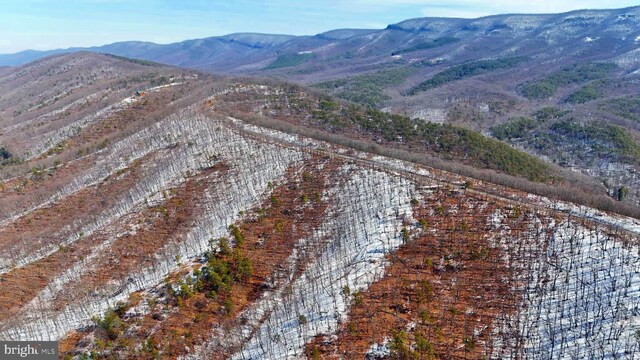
(451, 142)
(574, 74)
(466, 70)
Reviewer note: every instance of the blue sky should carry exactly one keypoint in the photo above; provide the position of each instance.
(49, 24)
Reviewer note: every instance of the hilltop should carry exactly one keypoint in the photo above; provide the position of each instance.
(151, 211)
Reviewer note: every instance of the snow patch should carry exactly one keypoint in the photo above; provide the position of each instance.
(363, 226)
(253, 164)
(379, 351)
(581, 298)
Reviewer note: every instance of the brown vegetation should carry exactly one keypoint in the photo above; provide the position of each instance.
(443, 289)
(190, 310)
(158, 226)
(34, 230)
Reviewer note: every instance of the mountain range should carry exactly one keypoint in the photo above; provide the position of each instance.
(538, 82)
(442, 188)
(470, 38)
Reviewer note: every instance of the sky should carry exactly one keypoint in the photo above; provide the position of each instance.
(51, 24)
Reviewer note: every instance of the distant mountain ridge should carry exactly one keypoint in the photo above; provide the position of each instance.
(495, 74)
(206, 53)
(147, 50)
(451, 188)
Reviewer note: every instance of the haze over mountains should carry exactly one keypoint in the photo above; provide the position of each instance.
(442, 188)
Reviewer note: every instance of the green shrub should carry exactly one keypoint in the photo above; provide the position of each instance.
(622, 193)
(275, 202)
(228, 306)
(367, 89)
(469, 344)
(514, 129)
(585, 94)
(135, 61)
(327, 105)
(184, 291)
(539, 90)
(462, 71)
(406, 235)
(626, 107)
(223, 245)
(400, 347)
(217, 275)
(111, 324)
(576, 73)
(289, 60)
(4, 153)
(424, 347)
(237, 235)
(425, 291)
(314, 353)
(549, 113)
(429, 45)
(447, 140)
(162, 80)
(244, 268)
(480, 253)
(602, 139)
(223, 269)
(358, 298)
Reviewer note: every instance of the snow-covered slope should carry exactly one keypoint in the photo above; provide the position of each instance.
(193, 235)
